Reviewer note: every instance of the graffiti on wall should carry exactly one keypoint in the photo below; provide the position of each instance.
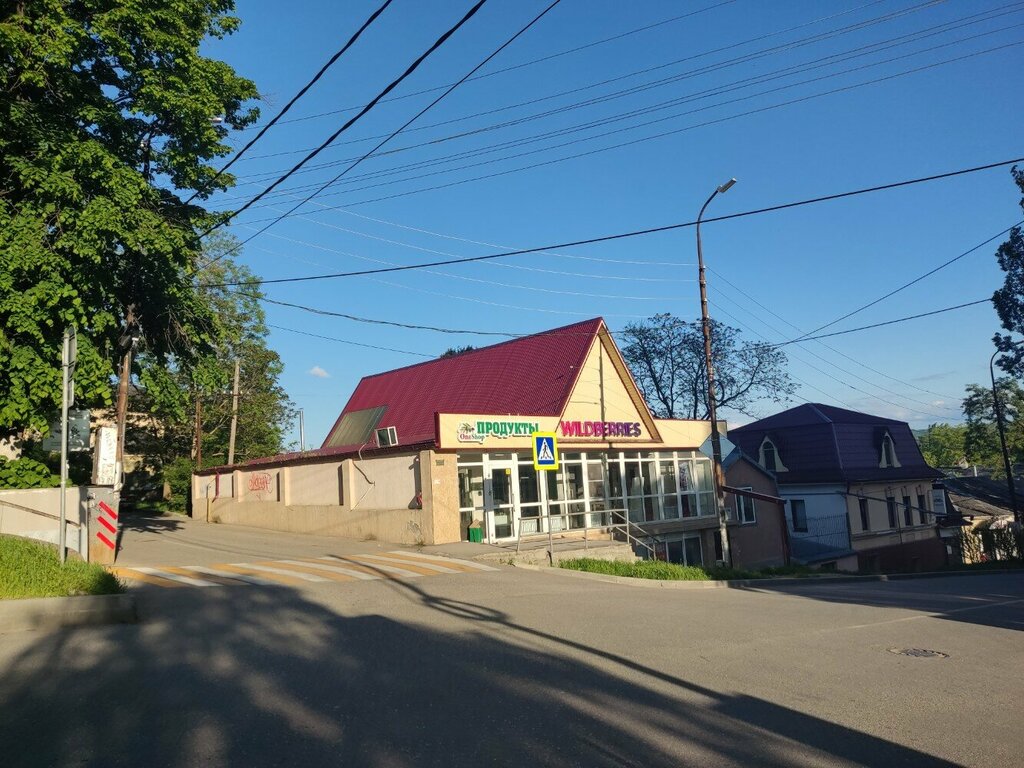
(259, 482)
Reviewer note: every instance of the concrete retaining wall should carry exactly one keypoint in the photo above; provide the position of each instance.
(34, 513)
(390, 498)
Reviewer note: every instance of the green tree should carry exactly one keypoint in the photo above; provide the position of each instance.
(105, 125)
(455, 351)
(981, 439)
(1009, 300)
(944, 445)
(169, 391)
(666, 356)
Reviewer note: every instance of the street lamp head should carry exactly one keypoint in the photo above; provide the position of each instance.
(727, 186)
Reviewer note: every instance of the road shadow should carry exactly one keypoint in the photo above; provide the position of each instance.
(150, 522)
(991, 600)
(268, 677)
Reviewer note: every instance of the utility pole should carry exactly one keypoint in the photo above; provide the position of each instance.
(302, 431)
(1000, 427)
(69, 353)
(199, 431)
(234, 417)
(716, 440)
(129, 339)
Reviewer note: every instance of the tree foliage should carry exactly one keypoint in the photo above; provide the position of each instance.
(944, 445)
(1009, 300)
(105, 125)
(666, 357)
(169, 391)
(981, 438)
(455, 351)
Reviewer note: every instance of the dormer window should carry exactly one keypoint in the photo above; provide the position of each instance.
(888, 455)
(769, 457)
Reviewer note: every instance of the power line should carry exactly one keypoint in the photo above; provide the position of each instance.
(887, 322)
(409, 122)
(346, 341)
(854, 360)
(690, 73)
(663, 134)
(838, 367)
(918, 279)
(635, 233)
(348, 123)
(558, 55)
(296, 97)
(735, 85)
(829, 375)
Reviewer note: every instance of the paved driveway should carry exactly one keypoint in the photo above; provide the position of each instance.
(514, 667)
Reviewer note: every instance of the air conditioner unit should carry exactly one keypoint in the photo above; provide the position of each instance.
(386, 437)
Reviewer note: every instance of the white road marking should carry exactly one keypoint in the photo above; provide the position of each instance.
(282, 571)
(379, 566)
(333, 568)
(431, 566)
(232, 575)
(432, 558)
(175, 577)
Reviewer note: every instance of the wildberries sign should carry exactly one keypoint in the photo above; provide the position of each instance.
(599, 429)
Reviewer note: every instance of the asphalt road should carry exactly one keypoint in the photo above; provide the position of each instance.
(521, 668)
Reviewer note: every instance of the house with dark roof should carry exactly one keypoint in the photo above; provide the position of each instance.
(427, 452)
(758, 538)
(858, 491)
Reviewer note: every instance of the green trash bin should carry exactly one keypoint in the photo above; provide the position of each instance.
(476, 533)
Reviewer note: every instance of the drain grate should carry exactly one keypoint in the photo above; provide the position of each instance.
(919, 653)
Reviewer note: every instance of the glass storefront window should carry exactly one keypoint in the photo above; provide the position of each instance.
(595, 486)
(471, 487)
(469, 458)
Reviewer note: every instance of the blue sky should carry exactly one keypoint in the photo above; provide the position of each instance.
(807, 266)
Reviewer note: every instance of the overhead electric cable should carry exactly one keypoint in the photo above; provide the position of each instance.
(653, 137)
(302, 92)
(879, 325)
(635, 233)
(568, 52)
(928, 32)
(854, 360)
(832, 377)
(903, 287)
(405, 125)
(348, 123)
(346, 341)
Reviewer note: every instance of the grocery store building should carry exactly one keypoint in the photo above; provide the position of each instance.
(420, 453)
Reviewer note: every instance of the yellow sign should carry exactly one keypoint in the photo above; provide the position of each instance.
(545, 450)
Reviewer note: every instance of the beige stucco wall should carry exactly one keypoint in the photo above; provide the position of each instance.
(880, 534)
(369, 498)
(441, 495)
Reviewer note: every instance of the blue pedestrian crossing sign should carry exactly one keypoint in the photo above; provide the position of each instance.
(545, 450)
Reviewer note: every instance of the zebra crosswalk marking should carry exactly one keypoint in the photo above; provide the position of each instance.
(402, 563)
(377, 567)
(396, 565)
(468, 563)
(321, 566)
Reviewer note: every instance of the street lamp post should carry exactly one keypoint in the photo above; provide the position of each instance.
(716, 440)
(998, 408)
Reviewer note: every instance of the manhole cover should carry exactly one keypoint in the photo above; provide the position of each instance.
(920, 653)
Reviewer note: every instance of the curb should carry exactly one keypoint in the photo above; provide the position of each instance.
(55, 612)
(755, 583)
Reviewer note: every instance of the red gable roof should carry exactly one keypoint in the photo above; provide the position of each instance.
(533, 375)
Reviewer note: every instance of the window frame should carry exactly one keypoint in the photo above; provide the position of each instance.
(890, 509)
(741, 503)
(865, 514)
(793, 515)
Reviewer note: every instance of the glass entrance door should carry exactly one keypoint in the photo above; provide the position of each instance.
(500, 500)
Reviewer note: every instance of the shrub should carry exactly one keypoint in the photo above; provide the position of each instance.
(26, 473)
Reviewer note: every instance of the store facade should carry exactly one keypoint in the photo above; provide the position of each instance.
(425, 451)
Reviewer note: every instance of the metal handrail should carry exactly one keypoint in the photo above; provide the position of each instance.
(623, 526)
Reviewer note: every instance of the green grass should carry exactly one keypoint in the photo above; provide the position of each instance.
(32, 569)
(655, 569)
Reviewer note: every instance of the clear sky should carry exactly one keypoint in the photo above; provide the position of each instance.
(741, 80)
